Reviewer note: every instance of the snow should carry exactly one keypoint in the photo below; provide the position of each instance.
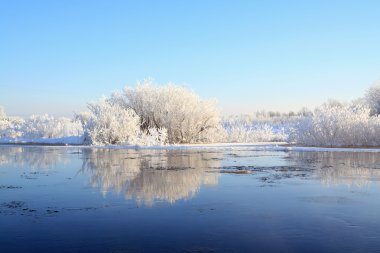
(68, 140)
(150, 116)
(257, 146)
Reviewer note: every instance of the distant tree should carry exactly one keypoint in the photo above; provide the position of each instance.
(337, 124)
(10, 126)
(4, 123)
(2, 113)
(372, 98)
(47, 126)
(305, 112)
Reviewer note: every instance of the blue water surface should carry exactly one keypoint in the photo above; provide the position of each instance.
(71, 199)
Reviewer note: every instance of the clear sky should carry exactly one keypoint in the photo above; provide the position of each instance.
(55, 56)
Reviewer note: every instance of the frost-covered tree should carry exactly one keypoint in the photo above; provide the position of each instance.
(257, 128)
(187, 118)
(4, 124)
(254, 133)
(47, 126)
(2, 113)
(336, 124)
(107, 123)
(38, 126)
(152, 137)
(372, 98)
(10, 126)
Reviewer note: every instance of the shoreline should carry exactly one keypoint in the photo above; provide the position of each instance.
(258, 146)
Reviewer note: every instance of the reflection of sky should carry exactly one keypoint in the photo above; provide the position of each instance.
(254, 158)
(238, 213)
(342, 168)
(149, 176)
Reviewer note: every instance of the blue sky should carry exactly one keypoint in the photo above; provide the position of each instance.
(55, 56)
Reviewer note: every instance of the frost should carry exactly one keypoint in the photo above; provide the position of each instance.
(372, 98)
(45, 126)
(337, 125)
(246, 129)
(186, 117)
(38, 127)
(109, 124)
(154, 115)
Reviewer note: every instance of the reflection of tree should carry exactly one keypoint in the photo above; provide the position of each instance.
(347, 168)
(37, 158)
(150, 175)
(110, 168)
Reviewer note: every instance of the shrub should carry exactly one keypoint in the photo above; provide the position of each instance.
(46, 126)
(107, 123)
(336, 125)
(187, 118)
(10, 126)
(372, 98)
(258, 128)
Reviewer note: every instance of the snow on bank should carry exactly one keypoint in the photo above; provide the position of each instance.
(257, 146)
(321, 149)
(68, 140)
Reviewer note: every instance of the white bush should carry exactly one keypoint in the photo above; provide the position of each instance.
(336, 125)
(254, 133)
(107, 123)
(152, 137)
(38, 126)
(46, 126)
(156, 115)
(10, 126)
(187, 118)
(2, 113)
(245, 128)
(372, 98)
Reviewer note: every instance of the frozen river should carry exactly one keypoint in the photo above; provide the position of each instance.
(70, 199)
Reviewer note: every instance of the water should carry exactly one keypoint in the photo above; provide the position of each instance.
(57, 199)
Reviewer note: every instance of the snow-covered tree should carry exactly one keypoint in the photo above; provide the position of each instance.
(47, 126)
(337, 124)
(152, 137)
(244, 129)
(187, 118)
(107, 123)
(4, 124)
(259, 127)
(37, 127)
(372, 98)
(2, 113)
(10, 126)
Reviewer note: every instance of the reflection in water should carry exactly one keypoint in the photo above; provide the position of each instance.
(170, 175)
(151, 175)
(341, 168)
(36, 158)
(279, 206)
